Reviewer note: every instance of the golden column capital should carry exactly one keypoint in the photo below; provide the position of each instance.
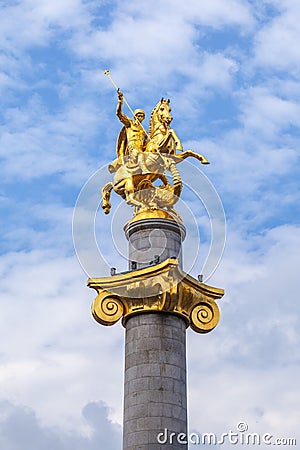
(161, 288)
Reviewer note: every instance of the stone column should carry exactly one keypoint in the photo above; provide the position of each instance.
(154, 240)
(155, 399)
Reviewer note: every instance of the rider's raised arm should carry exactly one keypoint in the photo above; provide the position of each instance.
(122, 117)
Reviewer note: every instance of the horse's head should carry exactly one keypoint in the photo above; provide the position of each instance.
(161, 113)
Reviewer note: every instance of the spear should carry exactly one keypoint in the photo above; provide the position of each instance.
(106, 72)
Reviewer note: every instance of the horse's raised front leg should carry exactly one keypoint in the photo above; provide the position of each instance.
(106, 191)
(189, 153)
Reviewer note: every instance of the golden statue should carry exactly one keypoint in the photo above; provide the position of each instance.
(143, 158)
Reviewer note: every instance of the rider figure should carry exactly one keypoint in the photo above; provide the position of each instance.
(133, 138)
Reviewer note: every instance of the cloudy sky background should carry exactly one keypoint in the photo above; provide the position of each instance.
(231, 69)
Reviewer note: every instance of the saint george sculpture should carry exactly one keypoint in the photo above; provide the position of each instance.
(144, 157)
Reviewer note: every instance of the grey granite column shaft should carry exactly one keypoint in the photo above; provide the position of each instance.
(155, 399)
(154, 240)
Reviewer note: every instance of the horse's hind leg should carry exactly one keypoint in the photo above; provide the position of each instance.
(130, 197)
(106, 191)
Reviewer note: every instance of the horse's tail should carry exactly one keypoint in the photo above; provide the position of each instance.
(176, 179)
(106, 190)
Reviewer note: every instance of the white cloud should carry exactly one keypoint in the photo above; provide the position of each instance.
(36, 21)
(217, 70)
(214, 13)
(35, 143)
(20, 429)
(268, 113)
(276, 42)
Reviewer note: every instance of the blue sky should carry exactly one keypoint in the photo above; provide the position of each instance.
(231, 69)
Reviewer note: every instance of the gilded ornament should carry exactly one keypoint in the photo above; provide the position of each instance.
(161, 288)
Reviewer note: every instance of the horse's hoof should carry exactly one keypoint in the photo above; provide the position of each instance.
(205, 161)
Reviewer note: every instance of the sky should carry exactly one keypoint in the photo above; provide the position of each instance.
(231, 69)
